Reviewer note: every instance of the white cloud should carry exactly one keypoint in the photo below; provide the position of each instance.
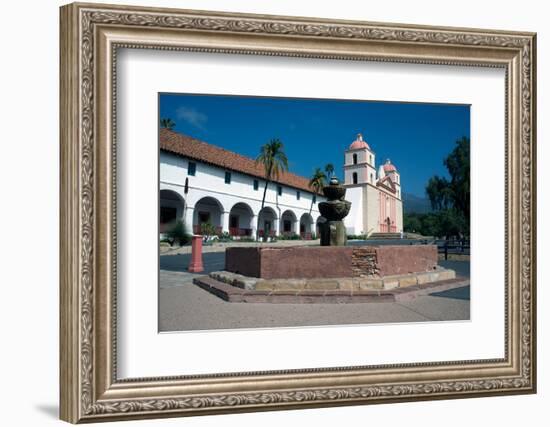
(192, 116)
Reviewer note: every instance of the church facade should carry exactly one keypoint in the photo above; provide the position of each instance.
(201, 183)
(375, 194)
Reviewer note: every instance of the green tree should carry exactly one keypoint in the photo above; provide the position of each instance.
(412, 223)
(439, 193)
(329, 169)
(444, 223)
(458, 165)
(450, 223)
(430, 225)
(316, 183)
(450, 199)
(167, 123)
(273, 158)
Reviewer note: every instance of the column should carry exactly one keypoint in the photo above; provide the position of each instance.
(253, 226)
(188, 219)
(277, 226)
(225, 222)
(296, 227)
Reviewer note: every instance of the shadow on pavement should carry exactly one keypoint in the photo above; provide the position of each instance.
(458, 293)
(213, 261)
(462, 268)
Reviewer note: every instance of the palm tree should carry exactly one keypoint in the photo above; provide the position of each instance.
(273, 158)
(167, 123)
(316, 183)
(329, 169)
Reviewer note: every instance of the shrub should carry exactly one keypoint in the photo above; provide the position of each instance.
(289, 236)
(177, 234)
(207, 229)
(225, 237)
(246, 239)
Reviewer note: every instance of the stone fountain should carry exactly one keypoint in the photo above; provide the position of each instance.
(334, 210)
(332, 272)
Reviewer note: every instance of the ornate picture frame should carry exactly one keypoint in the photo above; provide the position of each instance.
(90, 37)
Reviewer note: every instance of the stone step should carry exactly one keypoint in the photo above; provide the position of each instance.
(355, 283)
(233, 294)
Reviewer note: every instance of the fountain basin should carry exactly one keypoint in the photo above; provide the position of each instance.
(299, 262)
(334, 210)
(334, 192)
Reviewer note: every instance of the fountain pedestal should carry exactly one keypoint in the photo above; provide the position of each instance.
(332, 233)
(331, 228)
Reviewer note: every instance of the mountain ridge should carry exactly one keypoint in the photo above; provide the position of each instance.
(415, 204)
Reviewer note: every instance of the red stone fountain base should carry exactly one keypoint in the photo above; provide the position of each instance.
(328, 274)
(306, 262)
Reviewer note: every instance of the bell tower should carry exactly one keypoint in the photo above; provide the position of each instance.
(359, 163)
(390, 170)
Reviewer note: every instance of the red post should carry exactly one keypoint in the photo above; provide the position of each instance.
(195, 266)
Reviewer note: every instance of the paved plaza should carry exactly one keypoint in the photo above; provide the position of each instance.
(184, 306)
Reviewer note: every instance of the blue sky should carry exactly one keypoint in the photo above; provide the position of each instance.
(416, 137)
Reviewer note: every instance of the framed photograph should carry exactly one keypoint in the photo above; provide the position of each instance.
(267, 212)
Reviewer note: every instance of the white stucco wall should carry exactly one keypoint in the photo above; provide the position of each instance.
(372, 208)
(354, 220)
(399, 215)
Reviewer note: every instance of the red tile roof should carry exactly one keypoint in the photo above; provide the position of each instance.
(187, 146)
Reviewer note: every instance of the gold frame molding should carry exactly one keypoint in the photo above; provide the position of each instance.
(90, 36)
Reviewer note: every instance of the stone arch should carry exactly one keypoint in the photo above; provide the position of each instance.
(306, 226)
(318, 221)
(208, 210)
(171, 208)
(289, 223)
(267, 222)
(241, 218)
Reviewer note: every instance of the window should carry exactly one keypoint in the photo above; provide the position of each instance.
(279, 190)
(297, 195)
(228, 177)
(370, 159)
(192, 168)
(371, 178)
(355, 177)
(256, 185)
(354, 159)
(314, 198)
